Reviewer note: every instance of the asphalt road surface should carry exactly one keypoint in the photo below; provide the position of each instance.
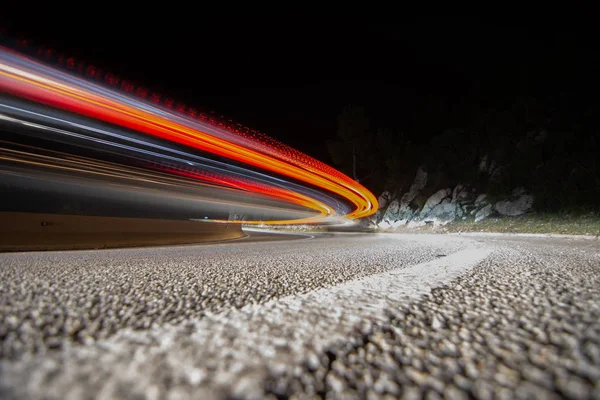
(337, 316)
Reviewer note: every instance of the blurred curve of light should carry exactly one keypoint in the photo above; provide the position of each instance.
(25, 78)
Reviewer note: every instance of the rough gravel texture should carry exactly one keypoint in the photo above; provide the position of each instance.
(524, 324)
(47, 298)
(345, 317)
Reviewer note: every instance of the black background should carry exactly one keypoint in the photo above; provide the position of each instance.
(290, 74)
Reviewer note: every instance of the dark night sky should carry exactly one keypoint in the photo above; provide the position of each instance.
(290, 75)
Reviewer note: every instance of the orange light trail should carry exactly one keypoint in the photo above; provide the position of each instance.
(81, 99)
(288, 195)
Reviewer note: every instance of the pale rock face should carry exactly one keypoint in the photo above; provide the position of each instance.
(482, 198)
(405, 215)
(398, 223)
(480, 202)
(415, 224)
(467, 209)
(434, 200)
(418, 185)
(456, 191)
(391, 214)
(442, 213)
(383, 225)
(396, 216)
(398, 212)
(460, 194)
(515, 207)
(484, 213)
(447, 205)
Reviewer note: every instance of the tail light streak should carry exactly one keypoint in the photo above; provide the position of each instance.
(25, 78)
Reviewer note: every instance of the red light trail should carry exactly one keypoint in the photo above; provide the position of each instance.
(28, 79)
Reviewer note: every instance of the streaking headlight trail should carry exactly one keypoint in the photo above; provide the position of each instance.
(136, 136)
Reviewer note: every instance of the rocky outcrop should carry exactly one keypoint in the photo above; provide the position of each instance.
(443, 213)
(397, 212)
(483, 213)
(481, 199)
(396, 215)
(392, 211)
(460, 194)
(418, 184)
(434, 200)
(447, 205)
(518, 205)
(384, 200)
